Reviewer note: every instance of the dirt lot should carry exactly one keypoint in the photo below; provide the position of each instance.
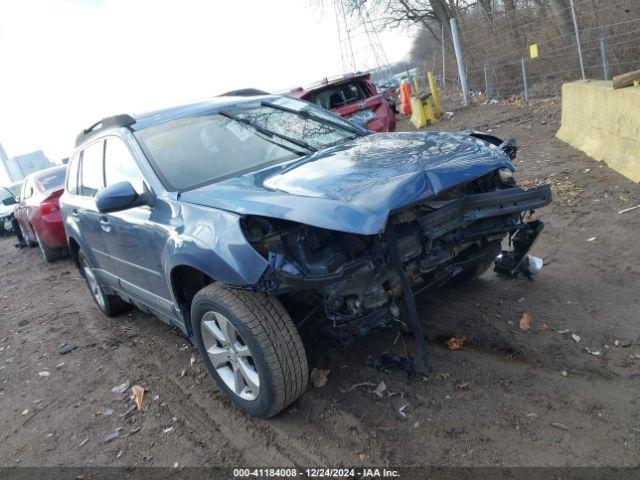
(501, 400)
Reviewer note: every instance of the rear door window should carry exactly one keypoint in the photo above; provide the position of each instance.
(91, 172)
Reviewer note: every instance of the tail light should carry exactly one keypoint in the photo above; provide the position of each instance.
(51, 204)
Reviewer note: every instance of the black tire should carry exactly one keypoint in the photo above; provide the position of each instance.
(27, 241)
(490, 251)
(471, 274)
(50, 254)
(275, 347)
(110, 305)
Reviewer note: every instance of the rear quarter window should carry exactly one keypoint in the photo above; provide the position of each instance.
(72, 175)
(51, 180)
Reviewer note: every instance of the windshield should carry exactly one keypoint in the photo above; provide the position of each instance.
(15, 189)
(9, 192)
(246, 137)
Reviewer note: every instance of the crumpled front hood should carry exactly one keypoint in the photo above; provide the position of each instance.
(352, 187)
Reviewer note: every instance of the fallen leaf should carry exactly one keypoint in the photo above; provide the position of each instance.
(455, 343)
(137, 393)
(526, 321)
(319, 377)
(543, 328)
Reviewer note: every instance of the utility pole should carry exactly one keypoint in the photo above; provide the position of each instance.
(461, 71)
(444, 63)
(575, 27)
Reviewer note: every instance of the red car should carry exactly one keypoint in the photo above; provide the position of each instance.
(38, 212)
(355, 98)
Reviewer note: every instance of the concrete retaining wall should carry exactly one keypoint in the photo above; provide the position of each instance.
(603, 123)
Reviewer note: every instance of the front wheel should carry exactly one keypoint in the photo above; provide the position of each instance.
(251, 348)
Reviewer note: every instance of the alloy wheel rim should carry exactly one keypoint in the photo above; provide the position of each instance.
(93, 283)
(230, 355)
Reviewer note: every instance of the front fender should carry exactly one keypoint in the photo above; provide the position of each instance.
(212, 241)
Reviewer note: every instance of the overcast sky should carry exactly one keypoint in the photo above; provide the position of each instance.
(64, 64)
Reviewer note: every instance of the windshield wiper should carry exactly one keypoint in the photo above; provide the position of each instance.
(267, 132)
(317, 118)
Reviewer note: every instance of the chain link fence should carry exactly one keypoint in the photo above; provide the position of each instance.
(594, 39)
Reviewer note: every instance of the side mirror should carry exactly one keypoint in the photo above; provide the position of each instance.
(117, 197)
(7, 202)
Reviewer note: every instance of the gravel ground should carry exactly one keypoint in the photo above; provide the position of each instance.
(508, 397)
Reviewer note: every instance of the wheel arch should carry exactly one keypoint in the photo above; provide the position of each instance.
(74, 251)
(187, 280)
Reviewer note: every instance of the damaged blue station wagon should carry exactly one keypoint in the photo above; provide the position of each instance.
(240, 219)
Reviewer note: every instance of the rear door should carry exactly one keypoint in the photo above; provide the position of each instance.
(90, 181)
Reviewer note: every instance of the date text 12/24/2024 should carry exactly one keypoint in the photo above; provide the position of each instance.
(316, 473)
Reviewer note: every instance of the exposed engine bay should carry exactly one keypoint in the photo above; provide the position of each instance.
(357, 280)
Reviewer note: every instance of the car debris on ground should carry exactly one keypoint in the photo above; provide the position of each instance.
(393, 361)
(120, 389)
(66, 348)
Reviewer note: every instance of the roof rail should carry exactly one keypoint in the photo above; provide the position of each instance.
(122, 120)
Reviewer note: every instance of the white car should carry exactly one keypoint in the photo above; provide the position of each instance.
(8, 196)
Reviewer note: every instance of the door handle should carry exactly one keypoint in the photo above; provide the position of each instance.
(74, 214)
(104, 224)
